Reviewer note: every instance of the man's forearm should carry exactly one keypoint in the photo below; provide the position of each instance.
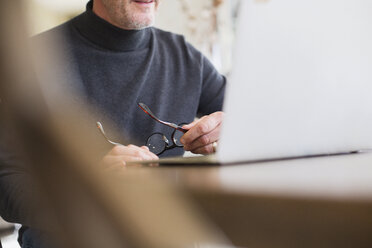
(16, 201)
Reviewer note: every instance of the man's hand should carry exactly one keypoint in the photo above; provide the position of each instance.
(202, 134)
(120, 155)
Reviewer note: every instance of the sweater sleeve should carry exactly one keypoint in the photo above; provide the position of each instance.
(17, 190)
(213, 89)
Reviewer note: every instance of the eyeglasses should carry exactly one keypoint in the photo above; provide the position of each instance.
(158, 142)
(100, 128)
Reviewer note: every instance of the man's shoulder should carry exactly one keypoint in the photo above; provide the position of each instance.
(164, 35)
(173, 40)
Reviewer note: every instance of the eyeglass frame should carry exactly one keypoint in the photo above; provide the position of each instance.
(166, 140)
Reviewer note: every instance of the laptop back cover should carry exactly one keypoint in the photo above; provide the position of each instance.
(302, 80)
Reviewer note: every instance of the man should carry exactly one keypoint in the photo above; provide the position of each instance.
(122, 60)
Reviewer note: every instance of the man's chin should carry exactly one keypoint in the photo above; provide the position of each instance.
(140, 25)
(141, 22)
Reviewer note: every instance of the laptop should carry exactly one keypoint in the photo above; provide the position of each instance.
(301, 83)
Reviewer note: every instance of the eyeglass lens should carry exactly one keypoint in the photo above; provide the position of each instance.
(157, 143)
(176, 137)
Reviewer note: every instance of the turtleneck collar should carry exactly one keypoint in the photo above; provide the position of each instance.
(106, 35)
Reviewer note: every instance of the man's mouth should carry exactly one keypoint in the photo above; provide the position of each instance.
(144, 1)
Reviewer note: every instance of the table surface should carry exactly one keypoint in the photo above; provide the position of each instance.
(338, 177)
(310, 202)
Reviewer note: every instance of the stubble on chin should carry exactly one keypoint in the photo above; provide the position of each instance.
(139, 21)
(125, 16)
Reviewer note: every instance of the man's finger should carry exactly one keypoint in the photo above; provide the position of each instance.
(153, 155)
(204, 126)
(145, 148)
(133, 151)
(190, 125)
(205, 150)
(136, 151)
(204, 140)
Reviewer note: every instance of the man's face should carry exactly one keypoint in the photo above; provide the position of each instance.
(131, 14)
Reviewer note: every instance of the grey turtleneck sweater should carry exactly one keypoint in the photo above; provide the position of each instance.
(117, 69)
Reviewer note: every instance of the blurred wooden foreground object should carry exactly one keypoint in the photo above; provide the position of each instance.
(83, 204)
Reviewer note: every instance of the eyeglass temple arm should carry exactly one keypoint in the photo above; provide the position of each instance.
(102, 131)
(149, 112)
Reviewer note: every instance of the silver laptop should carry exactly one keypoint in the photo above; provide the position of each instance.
(301, 83)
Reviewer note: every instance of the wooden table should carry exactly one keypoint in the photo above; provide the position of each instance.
(313, 202)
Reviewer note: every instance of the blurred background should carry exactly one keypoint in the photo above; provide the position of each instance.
(209, 25)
